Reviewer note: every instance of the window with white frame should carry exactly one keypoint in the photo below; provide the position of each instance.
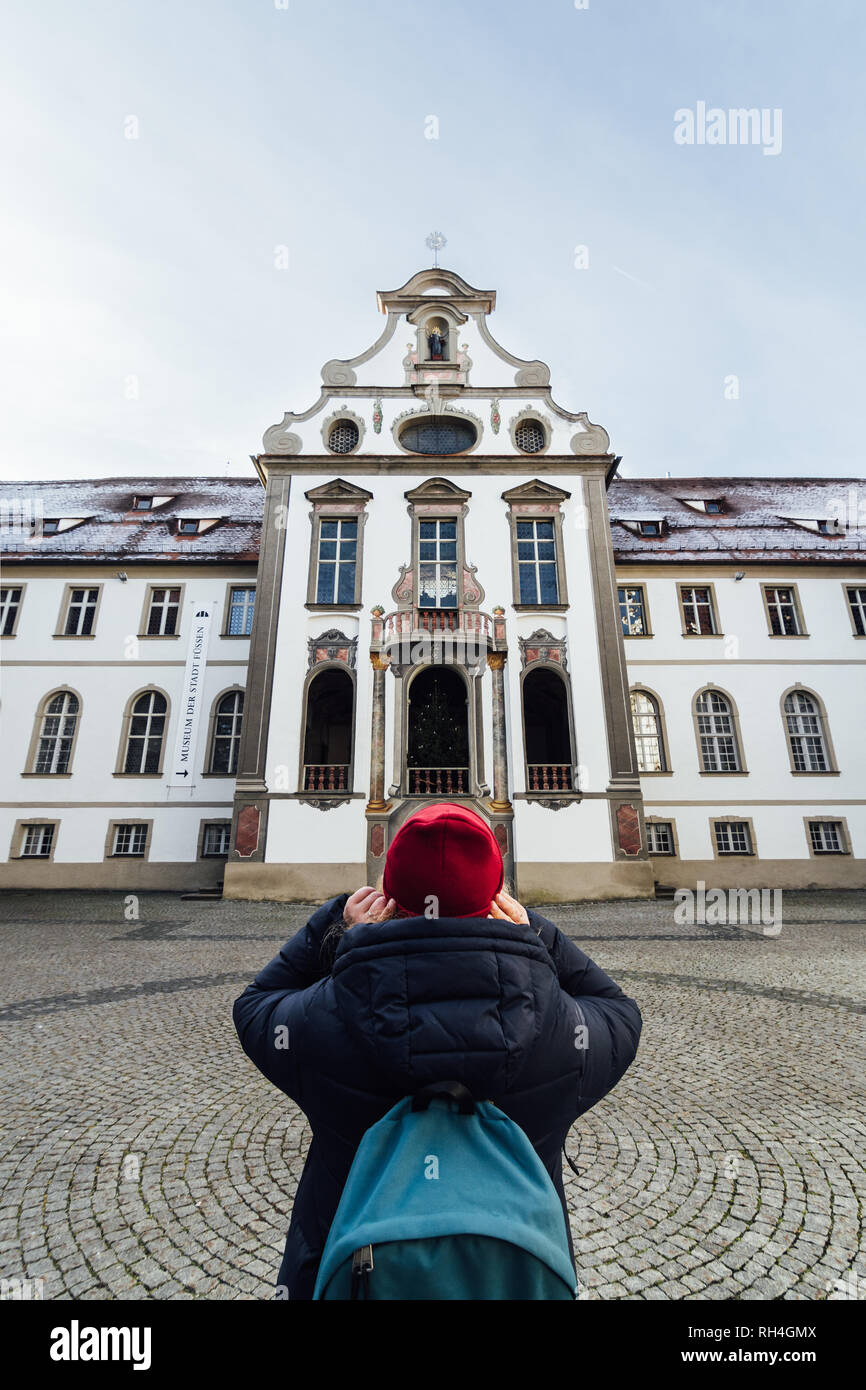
(536, 562)
(632, 611)
(228, 718)
(10, 602)
(215, 842)
(56, 734)
(660, 836)
(36, 841)
(699, 614)
(130, 840)
(827, 837)
(163, 612)
(717, 734)
(733, 837)
(647, 724)
(437, 563)
(336, 561)
(146, 732)
(242, 602)
(782, 610)
(81, 612)
(857, 604)
(805, 732)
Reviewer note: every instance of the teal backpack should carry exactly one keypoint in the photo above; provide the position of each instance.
(447, 1199)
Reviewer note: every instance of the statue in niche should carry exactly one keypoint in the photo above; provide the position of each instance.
(437, 341)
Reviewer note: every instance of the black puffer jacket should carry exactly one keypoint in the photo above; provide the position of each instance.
(498, 1006)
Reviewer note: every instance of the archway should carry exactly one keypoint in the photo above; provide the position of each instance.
(328, 732)
(547, 735)
(438, 734)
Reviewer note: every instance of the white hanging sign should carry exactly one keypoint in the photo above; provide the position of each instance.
(182, 772)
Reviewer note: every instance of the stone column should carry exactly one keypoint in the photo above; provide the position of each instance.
(377, 800)
(500, 802)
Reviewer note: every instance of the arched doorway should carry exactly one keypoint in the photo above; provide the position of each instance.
(328, 732)
(438, 734)
(547, 732)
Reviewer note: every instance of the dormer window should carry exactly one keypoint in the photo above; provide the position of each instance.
(142, 504)
(650, 528)
(187, 527)
(713, 504)
(50, 527)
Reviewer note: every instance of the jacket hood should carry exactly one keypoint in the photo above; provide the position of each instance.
(433, 999)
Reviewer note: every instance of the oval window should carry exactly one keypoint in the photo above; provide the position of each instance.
(439, 436)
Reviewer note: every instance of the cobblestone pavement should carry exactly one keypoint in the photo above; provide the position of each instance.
(142, 1156)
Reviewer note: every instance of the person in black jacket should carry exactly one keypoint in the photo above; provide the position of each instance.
(441, 975)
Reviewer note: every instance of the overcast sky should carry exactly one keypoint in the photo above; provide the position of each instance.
(149, 325)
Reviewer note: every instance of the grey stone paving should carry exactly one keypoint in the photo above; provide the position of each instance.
(142, 1156)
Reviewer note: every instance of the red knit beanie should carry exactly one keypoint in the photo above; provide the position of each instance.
(446, 852)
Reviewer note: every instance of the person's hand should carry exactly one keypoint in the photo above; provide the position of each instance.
(508, 909)
(368, 905)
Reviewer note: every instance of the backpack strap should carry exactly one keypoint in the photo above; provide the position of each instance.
(453, 1090)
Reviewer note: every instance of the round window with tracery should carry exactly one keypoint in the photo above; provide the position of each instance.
(530, 437)
(343, 437)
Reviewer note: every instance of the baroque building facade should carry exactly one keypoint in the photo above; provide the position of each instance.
(436, 587)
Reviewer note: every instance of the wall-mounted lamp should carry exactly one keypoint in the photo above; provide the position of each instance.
(122, 576)
(740, 574)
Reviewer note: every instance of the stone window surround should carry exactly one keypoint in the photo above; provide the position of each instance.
(742, 770)
(832, 768)
(844, 836)
(33, 749)
(437, 500)
(64, 613)
(14, 584)
(310, 676)
(537, 501)
(124, 732)
(342, 413)
(143, 634)
(711, 588)
(127, 820)
(530, 413)
(664, 820)
(636, 636)
(236, 636)
(336, 503)
(641, 688)
(798, 610)
(203, 825)
(18, 839)
(733, 820)
(211, 732)
(474, 720)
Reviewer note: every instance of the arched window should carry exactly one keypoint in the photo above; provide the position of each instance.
(547, 732)
(717, 734)
(145, 734)
(648, 733)
(328, 732)
(438, 733)
(227, 720)
(58, 720)
(807, 739)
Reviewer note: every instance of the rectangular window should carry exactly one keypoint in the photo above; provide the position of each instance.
(437, 564)
(37, 841)
(536, 562)
(130, 840)
(733, 837)
(241, 607)
(338, 547)
(163, 614)
(660, 837)
(81, 612)
(827, 837)
(10, 602)
(215, 844)
(699, 618)
(857, 604)
(782, 611)
(142, 504)
(632, 611)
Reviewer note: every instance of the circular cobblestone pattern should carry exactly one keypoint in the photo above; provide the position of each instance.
(144, 1157)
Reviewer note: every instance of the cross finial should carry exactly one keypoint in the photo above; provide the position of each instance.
(436, 241)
